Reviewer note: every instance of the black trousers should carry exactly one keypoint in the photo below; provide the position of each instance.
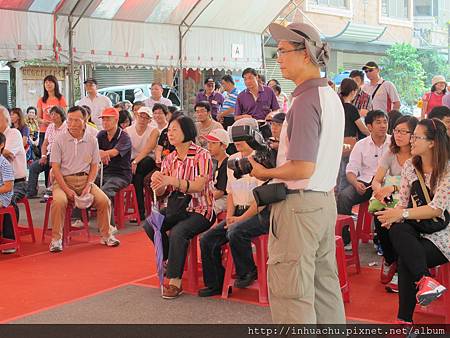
(415, 255)
(175, 244)
(239, 237)
(345, 201)
(145, 166)
(389, 254)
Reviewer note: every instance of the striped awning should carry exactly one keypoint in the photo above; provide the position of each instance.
(139, 32)
(356, 32)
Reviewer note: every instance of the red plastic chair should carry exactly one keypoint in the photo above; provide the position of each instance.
(125, 206)
(260, 284)
(68, 229)
(29, 228)
(441, 306)
(6, 243)
(353, 258)
(364, 223)
(342, 271)
(191, 267)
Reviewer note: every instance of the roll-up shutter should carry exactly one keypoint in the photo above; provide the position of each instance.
(273, 72)
(110, 76)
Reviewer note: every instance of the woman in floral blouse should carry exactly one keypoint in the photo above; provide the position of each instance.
(418, 251)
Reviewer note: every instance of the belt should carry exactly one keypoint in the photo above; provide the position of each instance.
(241, 207)
(17, 180)
(78, 174)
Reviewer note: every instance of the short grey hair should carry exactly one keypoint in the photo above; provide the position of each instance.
(5, 113)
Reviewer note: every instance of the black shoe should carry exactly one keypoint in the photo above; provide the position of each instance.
(208, 292)
(247, 280)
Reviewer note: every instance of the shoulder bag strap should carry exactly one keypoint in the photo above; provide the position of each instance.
(424, 188)
(376, 89)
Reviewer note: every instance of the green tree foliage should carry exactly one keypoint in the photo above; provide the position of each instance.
(433, 64)
(402, 67)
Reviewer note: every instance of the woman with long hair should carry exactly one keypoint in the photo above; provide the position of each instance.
(187, 170)
(354, 126)
(18, 122)
(434, 97)
(390, 168)
(52, 97)
(419, 229)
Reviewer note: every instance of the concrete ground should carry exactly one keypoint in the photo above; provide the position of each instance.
(141, 304)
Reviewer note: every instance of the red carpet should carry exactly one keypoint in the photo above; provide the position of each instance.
(39, 280)
(369, 302)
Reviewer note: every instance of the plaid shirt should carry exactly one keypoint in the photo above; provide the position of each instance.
(53, 132)
(197, 163)
(362, 100)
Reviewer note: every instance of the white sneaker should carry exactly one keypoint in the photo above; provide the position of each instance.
(110, 241)
(9, 251)
(56, 245)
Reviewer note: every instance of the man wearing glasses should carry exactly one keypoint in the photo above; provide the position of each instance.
(302, 274)
(383, 93)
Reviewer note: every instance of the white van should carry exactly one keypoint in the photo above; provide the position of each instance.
(121, 93)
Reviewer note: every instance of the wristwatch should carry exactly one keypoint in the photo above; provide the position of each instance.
(134, 162)
(405, 214)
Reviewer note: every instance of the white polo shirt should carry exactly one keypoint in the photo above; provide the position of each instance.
(14, 144)
(97, 105)
(313, 131)
(150, 102)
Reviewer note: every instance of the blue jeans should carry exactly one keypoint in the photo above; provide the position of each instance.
(239, 237)
(111, 185)
(35, 169)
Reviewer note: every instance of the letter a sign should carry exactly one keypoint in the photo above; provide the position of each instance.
(237, 51)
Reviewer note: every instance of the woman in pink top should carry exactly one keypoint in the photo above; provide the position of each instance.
(52, 97)
(434, 97)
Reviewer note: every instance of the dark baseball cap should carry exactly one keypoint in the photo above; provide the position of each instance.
(279, 118)
(370, 65)
(209, 79)
(91, 80)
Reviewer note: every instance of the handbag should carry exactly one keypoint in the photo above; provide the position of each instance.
(176, 209)
(420, 195)
(267, 194)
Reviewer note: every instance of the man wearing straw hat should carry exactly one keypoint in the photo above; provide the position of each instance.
(302, 273)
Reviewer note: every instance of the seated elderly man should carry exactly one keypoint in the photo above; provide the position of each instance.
(14, 152)
(75, 158)
(115, 154)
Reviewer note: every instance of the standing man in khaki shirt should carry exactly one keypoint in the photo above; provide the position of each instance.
(302, 272)
(75, 158)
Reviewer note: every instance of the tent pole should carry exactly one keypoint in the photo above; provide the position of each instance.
(71, 68)
(180, 72)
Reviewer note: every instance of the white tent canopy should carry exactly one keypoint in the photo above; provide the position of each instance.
(139, 32)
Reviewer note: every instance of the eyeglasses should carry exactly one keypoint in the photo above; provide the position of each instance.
(415, 137)
(368, 70)
(401, 131)
(281, 52)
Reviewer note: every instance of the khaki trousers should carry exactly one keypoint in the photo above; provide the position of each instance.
(302, 271)
(59, 205)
